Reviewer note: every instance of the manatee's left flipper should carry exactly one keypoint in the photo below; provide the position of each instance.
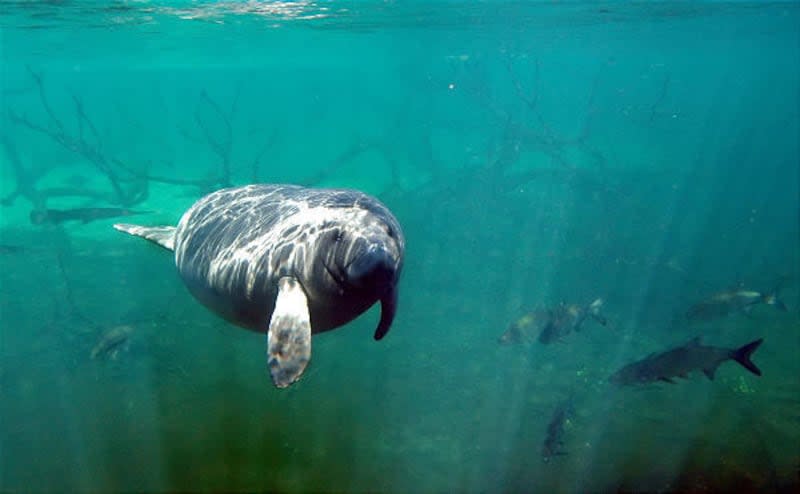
(289, 336)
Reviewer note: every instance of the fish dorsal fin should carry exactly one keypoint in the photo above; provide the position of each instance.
(736, 286)
(709, 371)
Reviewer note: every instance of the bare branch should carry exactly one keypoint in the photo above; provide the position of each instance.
(530, 101)
(26, 181)
(189, 136)
(235, 103)
(354, 150)
(223, 147)
(73, 192)
(591, 110)
(255, 172)
(79, 145)
(37, 77)
(145, 177)
(83, 118)
(26, 184)
(661, 97)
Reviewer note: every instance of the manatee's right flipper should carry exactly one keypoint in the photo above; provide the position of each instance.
(289, 336)
(162, 235)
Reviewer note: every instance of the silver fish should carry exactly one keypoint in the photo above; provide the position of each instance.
(728, 302)
(680, 361)
(111, 342)
(554, 439)
(526, 327)
(567, 318)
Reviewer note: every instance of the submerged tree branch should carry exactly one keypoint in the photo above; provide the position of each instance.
(56, 132)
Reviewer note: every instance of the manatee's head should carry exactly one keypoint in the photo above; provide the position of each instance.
(365, 260)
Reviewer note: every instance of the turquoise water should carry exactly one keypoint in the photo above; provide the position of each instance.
(645, 153)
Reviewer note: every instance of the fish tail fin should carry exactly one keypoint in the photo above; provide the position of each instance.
(772, 299)
(161, 235)
(594, 311)
(742, 355)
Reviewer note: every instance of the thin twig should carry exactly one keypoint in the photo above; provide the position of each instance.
(662, 95)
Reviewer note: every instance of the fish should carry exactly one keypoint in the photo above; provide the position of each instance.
(554, 437)
(11, 249)
(111, 342)
(567, 318)
(732, 301)
(84, 215)
(525, 328)
(680, 361)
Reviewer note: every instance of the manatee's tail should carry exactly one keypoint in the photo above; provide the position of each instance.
(742, 355)
(161, 235)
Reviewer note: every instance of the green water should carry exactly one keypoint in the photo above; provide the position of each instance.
(645, 153)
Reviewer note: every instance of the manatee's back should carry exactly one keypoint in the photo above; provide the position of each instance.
(232, 246)
(222, 245)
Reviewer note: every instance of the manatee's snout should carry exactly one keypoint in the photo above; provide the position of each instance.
(374, 269)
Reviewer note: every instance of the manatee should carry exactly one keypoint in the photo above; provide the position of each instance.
(287, 260)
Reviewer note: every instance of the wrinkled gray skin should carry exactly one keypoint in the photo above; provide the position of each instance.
(344, 247)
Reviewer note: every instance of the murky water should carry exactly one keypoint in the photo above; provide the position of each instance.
(535, 154)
